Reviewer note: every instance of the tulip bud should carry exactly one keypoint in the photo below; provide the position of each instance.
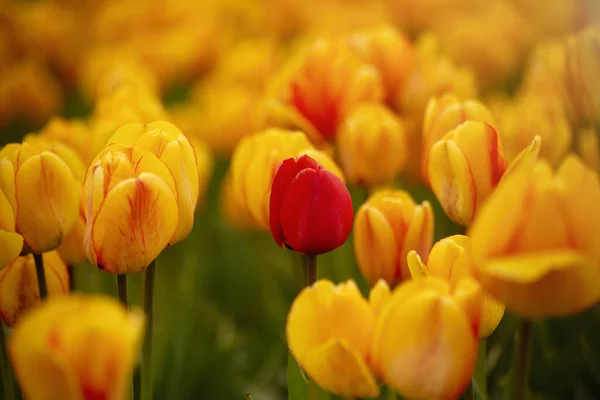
(582, 76)
(536, 241)
(38, 180)
(170, 146)
(388, 225)
(310, 208)
(444, 114)
(329, 332)
(390, 52)
(19, 291)
(328, 82)
(131, 213)
(76, 347)
(255, 163)
(372, 145)
(426, 338)
(450, 259)
(464, 168)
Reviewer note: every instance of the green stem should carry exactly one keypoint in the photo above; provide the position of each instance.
(122, 289)
(479, 381)
(71, 272)
(469, 394)
(311, 268)
(390, 394)
(523, 361)
(41, 275)
(313, 390)
(7, 380)
(146, 393)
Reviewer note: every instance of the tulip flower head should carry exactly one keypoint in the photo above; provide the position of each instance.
(76, 347)
(389, 225)
(450, 259)
(536, 241)
(329, 331)
(310, 207)
(464, 167)
(426, 338)
(131, 209)
(19, 291)
(11, 243)
(40, 186)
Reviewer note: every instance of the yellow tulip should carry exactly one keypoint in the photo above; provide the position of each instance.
(255, 163)
(38, 181)
(11, 242)
(71, 249)
(390, 52)
(387, 226)
(450, 259)
(588, 146)
(170, 146)
(72, 133)
(445, 113)
(464, 168)
(131, 209)
(536, 241)
(76, 348)
(231, 207)
(426, 338)
(372, 145)
(19, 291)
(329, 332)
(582, 76)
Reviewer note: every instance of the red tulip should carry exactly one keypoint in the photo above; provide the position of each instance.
(310, 207)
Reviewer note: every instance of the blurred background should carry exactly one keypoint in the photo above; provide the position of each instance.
(223, 294)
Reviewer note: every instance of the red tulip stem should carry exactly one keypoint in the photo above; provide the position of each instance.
(146, 392)
(122, 289)
(7, 379)
(311, 269)
(523, 361)
(41, 275)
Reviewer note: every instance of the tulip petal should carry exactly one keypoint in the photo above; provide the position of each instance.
(375, 246)
(339, 369)
(418, 236)
(285, 174)
(11, 244)
(47, 201)
(316, 214)
(543, 284)
(379, 295)
(7, 183)
(417, 268)
(136, 222)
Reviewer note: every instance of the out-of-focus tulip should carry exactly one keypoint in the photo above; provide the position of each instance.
(40, 185)
(71, 249)
(450, 259)
(588, 146)
(73, 133)
(255, 163)
(170, 146)
(75, 348)
(390, 52)
(379, 296)
(330, 332)
(232, 209)
(205, 163)
(131, 209)
(582, 76)
(327, 82)
(444, 114)
(536, 241)
(372, 145)
(551, 18)
(19, 291)
(464, 168)
(389, 225)
(426, 338)
(11, 243)
(310, 207)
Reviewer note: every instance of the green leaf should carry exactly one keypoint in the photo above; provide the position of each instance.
(479, 380)
(297, 384)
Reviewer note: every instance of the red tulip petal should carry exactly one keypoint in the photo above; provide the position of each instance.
(307, 162)
(316, 214)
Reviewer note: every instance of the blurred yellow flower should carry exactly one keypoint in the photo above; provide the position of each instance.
(72, 133)
(40, 182)
(450, 259)
(426, 338)
(170, 146)
(231, 207)
(19, 291)
(588, 147)
(330, 331)
(256, 160)
(75, 348)
(387, 226)
(536, 242)
(464, 168)
(131, 209)
(372, 145)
